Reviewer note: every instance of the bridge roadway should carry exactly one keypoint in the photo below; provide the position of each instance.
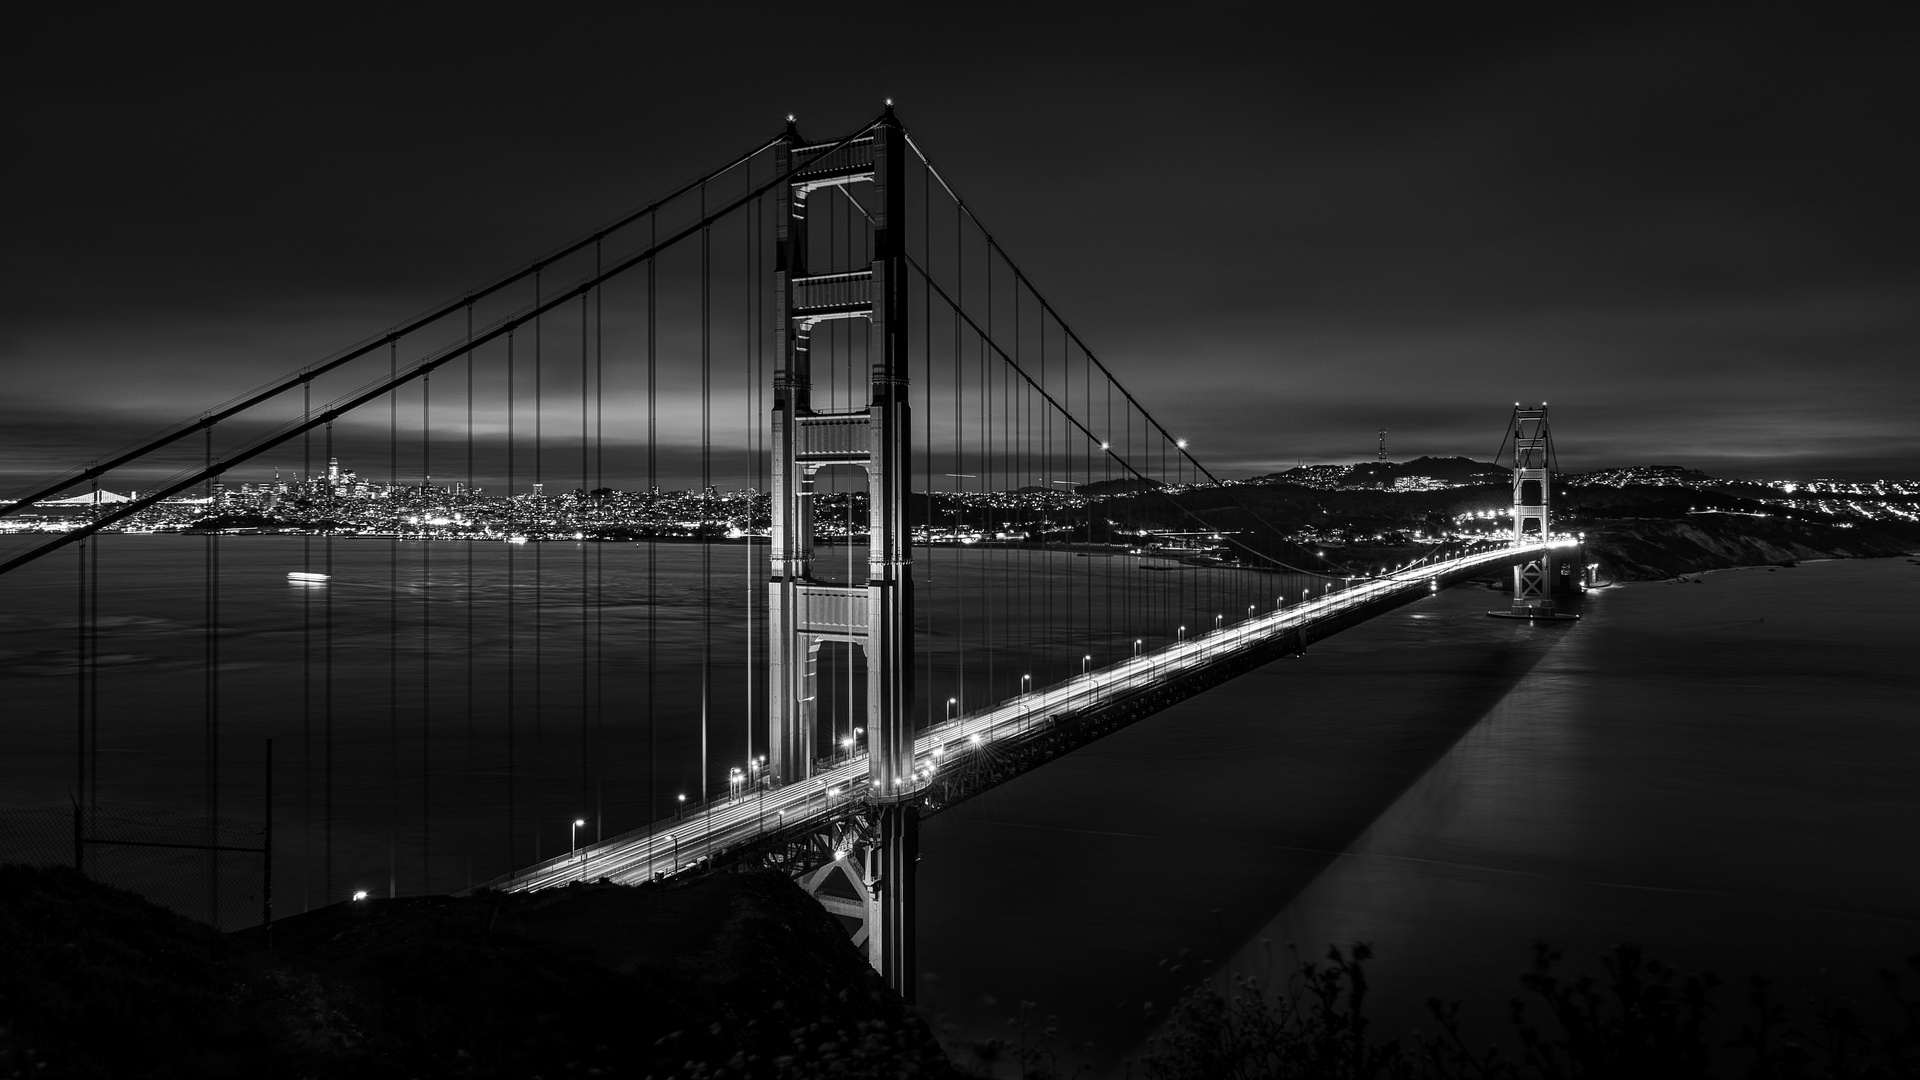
(666, 847)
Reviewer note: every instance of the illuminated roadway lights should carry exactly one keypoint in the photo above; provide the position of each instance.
(683, 805)
(1086, 663)
(573, 836)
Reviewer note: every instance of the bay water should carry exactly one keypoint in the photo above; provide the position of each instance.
(1723, 770)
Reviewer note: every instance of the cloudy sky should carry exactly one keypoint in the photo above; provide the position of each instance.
(1694, 233)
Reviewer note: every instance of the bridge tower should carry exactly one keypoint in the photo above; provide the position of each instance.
(1533, 581)
(876, 617)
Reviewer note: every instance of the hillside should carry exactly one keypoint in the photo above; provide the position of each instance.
(738, 975)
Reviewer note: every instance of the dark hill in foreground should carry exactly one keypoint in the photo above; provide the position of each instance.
(742, 973)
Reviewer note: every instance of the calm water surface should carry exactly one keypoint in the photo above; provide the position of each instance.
(1722, 771)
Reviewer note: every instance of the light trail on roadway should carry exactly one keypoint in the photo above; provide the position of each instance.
(669, 846)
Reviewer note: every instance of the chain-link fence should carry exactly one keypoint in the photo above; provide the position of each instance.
(214, 871)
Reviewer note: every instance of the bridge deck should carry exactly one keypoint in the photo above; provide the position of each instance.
(669, 846)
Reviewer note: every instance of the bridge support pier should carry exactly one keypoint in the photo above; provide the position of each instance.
(890, 938)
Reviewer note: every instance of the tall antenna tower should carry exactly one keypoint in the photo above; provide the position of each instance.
(1383, 444)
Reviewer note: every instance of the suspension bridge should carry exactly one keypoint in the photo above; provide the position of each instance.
(747, 530)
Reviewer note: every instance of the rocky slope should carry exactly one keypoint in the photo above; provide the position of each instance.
(739, 975)
(1653, 548)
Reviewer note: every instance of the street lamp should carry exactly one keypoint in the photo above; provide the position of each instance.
(675, 841)
(1217, 620)
(1180, 634)
(1136, 646)
(682, 808)
(1086, 663)
(950, 703)
(1026, 684)
(573, 835)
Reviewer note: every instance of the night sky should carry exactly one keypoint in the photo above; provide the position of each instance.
(1694, 234)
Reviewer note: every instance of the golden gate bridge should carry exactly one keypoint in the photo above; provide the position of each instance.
(672, 675)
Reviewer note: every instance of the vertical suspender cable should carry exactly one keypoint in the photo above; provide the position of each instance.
(80, 705)
(424, 505)
(599, 551)
(393, 624)
(580, 506)
(326, 684)
(706, 491)
(747, 332)
(93, 666)
(653, 496)
(211, 588)
(469, 525)
(988, 557)
(512, 610)
(924, 581)
(306, 657)
(750, 297)
(536, 533)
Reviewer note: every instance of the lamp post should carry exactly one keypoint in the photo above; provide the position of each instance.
(950, 704)
(762, 781)
(573, 835)
(675, 841)
(681, 809)
(1026, 684)
(1136, 646)
(1086, 663)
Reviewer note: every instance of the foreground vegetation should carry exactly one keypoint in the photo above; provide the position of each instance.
(743, 975)
(1637, 1018)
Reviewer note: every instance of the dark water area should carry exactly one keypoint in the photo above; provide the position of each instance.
(1721, 771)
(443, 711)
